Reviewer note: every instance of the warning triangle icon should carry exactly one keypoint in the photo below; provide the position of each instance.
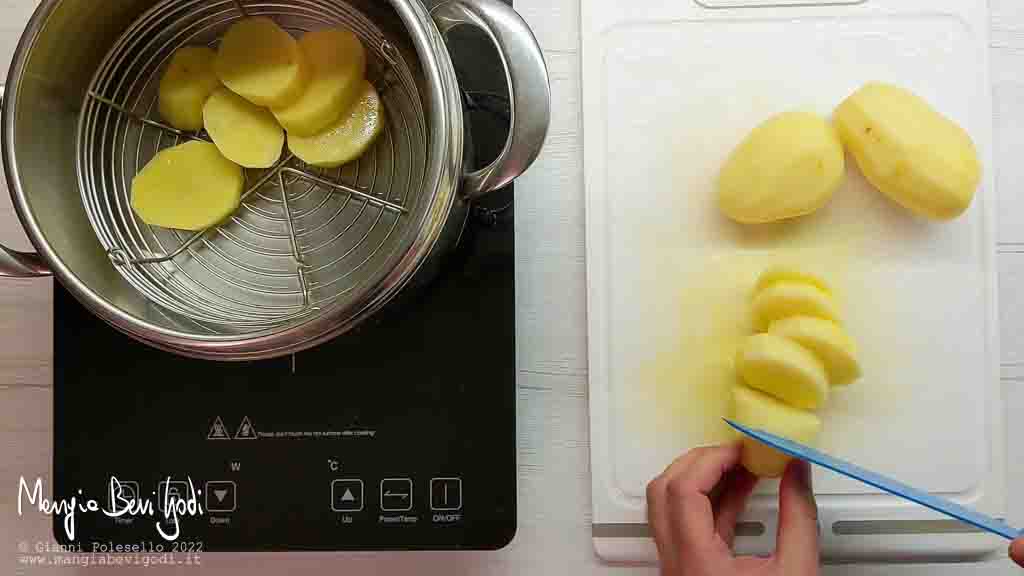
(245, 430)
(347, 496)
(218, 431)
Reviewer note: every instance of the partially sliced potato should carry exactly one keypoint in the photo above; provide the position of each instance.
(245, 133)
(337, 62)
(186, 84)
(262, 63)
(783, 369)
(756, 410)
(827, 340)
(347, 140)
(783, 273)
(188, 187)
(784, 299)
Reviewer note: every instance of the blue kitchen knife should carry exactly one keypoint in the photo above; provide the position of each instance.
(875, 479)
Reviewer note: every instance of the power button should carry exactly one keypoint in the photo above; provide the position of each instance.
(446, 494)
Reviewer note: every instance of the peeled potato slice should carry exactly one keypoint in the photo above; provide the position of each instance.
(756, 410)
(827, 340)
(785, 299)
(337, 62)
(186, 84)
(262, 63)
(782, 273)
(783, 369)
(188, 187)
(245, 133)
(347, 140)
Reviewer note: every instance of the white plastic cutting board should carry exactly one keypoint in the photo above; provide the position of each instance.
(669, 88)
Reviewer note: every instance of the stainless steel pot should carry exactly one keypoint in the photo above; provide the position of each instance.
(311, 253)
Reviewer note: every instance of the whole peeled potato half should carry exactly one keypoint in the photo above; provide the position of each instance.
(909, 151)
(788, 166)
(262, 63)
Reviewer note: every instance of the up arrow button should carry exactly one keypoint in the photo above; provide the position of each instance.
(347, 495)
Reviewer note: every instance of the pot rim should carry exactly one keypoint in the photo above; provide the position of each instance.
(445, 174)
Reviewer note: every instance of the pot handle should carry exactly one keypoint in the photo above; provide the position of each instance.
(14, 264)
(527, 75)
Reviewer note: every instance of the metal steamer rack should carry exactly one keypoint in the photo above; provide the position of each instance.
(303, 237)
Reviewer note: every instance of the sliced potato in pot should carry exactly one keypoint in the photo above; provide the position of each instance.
(345, 141)
(245, 133)
(337, 62)
(262, 63)
(188, 187)
(186, 84)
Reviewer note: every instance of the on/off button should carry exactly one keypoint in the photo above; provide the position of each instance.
(446, 494)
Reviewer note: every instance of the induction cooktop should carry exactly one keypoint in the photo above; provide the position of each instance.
(400, 435)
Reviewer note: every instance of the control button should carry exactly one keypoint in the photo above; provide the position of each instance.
(347, 495)
(220, 496)
(396, 494)
(120, 494)
(168, 493)
(446, 494)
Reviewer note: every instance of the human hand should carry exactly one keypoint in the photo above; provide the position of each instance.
(693, 506)
(1017, 551)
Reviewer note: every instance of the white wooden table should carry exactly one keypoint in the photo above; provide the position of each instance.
(554, 484)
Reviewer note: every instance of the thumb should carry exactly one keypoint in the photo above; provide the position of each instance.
(797, 539)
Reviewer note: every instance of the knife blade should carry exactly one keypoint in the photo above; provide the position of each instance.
(894, 487)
